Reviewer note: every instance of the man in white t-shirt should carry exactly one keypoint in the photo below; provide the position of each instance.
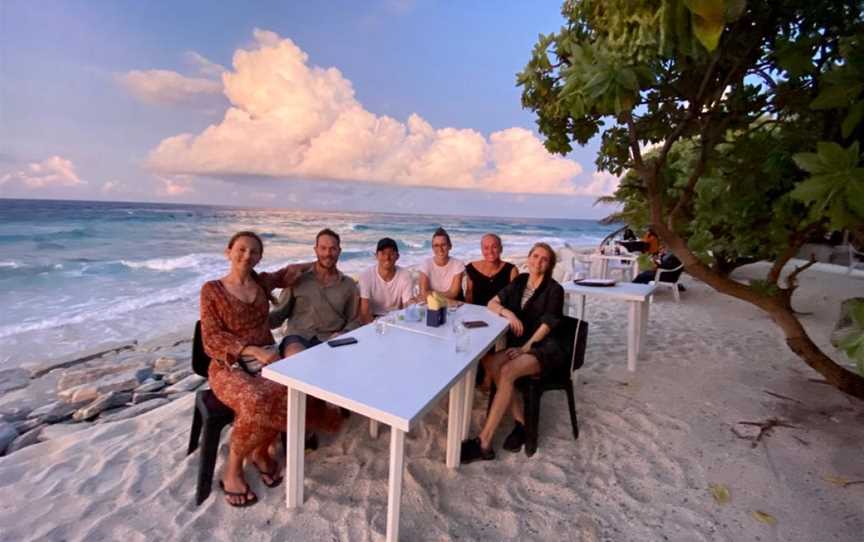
(441, 273)
(386, 286)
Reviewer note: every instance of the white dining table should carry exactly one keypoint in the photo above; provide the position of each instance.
(635, 295)
(392, 378)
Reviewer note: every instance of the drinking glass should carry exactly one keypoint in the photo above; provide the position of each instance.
(380, 326)
(463, 339)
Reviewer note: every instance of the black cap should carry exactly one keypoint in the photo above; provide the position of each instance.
(386, 242)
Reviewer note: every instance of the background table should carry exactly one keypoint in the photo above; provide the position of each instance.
(392, 378)
(635, 295)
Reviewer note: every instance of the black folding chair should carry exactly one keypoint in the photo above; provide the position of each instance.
(575, 333)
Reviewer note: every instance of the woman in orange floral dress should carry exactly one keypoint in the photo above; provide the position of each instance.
(234, 327)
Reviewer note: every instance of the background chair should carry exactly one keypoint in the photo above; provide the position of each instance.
(575, 334)
(856, 258)
(668, 278)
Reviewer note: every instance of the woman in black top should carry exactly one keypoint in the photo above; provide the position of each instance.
(488, 276)
(533, 304)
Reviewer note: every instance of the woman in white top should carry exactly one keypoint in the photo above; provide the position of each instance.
(441, 273)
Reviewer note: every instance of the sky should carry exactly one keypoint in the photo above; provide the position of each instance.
(382, 105)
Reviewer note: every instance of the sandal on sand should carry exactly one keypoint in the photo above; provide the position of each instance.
(245, 494)
(473, 451)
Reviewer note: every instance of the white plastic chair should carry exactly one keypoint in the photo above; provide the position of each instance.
(854, 256)
(673, 285)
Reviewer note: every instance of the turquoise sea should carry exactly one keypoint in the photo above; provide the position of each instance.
(77, 274)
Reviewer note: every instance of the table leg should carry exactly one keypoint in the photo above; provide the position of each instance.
(454, 423)
(470, 377)
(632, 334)
(294, 448)
(643, 325)
(373, 428)
(394, 495)
(582, 307)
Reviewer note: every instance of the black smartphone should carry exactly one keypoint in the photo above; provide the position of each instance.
(342, 342)
(475, 323)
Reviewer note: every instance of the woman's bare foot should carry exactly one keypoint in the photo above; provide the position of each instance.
(267, 466)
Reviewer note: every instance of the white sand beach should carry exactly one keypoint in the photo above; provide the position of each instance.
(652, 444)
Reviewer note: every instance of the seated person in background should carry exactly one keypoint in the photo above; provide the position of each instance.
(386, 286)
(234, 328)
(652, 242)
(441, 273)
(321, 304)
(533, 304)
(668, 261)
(488, 276)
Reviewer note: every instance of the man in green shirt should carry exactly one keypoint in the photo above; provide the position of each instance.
(322, 303)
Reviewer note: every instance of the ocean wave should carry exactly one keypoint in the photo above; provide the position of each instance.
(106, 311)
(190, 261)
(12, 264)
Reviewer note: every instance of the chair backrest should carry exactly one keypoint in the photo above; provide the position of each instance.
(669, 275)
(575, 333)
(200, 359)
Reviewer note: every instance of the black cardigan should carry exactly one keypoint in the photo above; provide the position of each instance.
(546, 306)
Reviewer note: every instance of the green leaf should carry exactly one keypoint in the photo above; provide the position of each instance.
(809, 162)
(836, 96)
(853, 118)
(764, 517)
(834, 156)
(720, 493)
(708, 19)
(855, 198)
(813, 189)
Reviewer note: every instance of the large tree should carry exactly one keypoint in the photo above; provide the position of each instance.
(734, 125)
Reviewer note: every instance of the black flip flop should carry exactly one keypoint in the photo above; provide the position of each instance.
(244, 494)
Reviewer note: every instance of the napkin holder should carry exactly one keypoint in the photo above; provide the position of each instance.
(436, 318)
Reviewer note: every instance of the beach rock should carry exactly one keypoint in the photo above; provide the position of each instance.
(51, 432)
(165, 365)
(13, 379)
(845, 325)
(143, 374)
(133, 411)
(38, 369)
(190, 383)
(7, 435)
(146, 396)
(22, 426)
(25, 439)
(88, 392)
(177, 376)
(15, 413)
(71, 379)
(110, 400)
(150, 386)
(55, 412)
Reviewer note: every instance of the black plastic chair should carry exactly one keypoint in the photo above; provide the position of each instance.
(211, 416)
(575, 333)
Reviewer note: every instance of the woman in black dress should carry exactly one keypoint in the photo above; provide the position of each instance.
(488, 276)
(533, 304)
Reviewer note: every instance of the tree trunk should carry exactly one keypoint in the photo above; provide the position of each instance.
(796, 337)
(799, 342)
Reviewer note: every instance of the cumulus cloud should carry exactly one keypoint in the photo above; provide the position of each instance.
(174, 185)
(288, 119)
(166, 87)
(602, 183)
(205, 66)
(54, 171)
